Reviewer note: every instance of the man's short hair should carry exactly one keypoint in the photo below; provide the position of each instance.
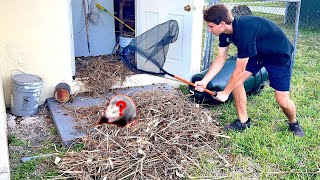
(217, 13)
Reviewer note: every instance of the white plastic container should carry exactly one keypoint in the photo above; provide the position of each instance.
(124, 41)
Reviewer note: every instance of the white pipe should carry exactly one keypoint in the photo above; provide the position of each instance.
(4, 155)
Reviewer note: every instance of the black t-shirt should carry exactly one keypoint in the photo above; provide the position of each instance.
(258, 36)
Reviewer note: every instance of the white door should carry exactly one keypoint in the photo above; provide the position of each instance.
(101, 36)
(184, 55)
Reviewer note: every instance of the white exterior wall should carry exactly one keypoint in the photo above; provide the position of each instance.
(4, 157)
(36, 38)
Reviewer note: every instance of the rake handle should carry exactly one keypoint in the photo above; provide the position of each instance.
(212, 93)
(105, 10)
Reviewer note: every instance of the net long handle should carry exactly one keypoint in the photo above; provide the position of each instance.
(213, 93)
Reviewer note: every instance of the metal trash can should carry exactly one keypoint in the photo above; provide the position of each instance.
(25, 94)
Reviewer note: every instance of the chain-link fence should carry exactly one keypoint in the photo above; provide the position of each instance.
(310, 14)
(288, 14)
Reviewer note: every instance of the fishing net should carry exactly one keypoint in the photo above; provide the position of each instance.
(147, 53)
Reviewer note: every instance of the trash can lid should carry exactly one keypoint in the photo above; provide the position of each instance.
(27, 79)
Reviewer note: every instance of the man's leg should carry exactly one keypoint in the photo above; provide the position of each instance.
(239, 93)
(240, 100)
(286, 104)
(289, 109)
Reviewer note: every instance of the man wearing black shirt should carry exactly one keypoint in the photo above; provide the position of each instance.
(260, 43)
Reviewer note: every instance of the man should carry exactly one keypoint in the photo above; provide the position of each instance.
(260, 43)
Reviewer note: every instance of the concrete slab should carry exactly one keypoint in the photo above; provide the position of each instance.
(66, 124)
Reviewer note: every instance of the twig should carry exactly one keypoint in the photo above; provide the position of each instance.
(116, 143)
(294, 172)
(208, 177)
(128, 175)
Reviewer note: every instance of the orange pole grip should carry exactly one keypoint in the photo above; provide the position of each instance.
(213, 93)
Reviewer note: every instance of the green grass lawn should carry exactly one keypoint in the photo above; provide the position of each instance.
(256, 3)
(229, 1)
(268, 150)
(268, 4)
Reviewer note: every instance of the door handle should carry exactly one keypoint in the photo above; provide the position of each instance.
(187, 8)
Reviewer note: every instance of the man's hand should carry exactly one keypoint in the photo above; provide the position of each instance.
(222, 96)
(200, 85)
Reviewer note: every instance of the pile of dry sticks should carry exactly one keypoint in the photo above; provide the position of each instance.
(100, 73)
(165, 142)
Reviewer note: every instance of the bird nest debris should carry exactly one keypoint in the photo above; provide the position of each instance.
(165, 142)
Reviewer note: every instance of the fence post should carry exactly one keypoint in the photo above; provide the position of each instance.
(296, 28)
(209, 39)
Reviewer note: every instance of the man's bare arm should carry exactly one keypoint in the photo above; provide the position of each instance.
(217, 64)
(238, 76)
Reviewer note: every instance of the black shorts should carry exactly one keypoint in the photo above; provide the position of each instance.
(279, 75)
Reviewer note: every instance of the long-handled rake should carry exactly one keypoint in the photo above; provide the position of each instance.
(153, 45)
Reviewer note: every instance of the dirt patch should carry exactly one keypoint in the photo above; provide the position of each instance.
(27, 136)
